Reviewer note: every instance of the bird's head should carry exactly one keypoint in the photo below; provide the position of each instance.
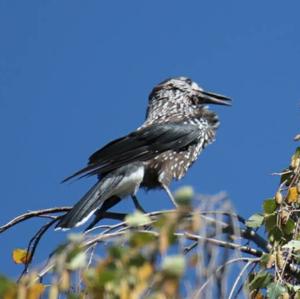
(181, 95)
(184, 89)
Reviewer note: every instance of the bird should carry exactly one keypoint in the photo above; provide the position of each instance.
(177, 127)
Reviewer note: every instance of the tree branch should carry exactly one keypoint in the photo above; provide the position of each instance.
(32, 214)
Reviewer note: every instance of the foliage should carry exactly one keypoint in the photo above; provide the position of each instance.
(203, 252)
(279, 273)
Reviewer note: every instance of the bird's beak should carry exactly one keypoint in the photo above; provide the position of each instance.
(213, 98)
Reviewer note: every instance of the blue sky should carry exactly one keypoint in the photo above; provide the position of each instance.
(76, 74)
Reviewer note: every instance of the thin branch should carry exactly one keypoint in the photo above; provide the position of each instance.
(32, 214)
(241, 259)
(189, 236)
(51, 263)
(222, 243)
(33, 243)
(239, 277)
(253, 236)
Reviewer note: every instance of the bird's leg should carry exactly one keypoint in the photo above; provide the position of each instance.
(137, 204)
(170, 194)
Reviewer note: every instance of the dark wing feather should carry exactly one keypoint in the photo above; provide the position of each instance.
(140, 145)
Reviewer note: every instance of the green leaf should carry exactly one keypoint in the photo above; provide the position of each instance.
(275, 290)
(72, 253)
(288, 228)
(184, 195)
(117, 252)
(137, 219)
(270, 222)
(297, 152)
(260, 281)
(293, 288)
(255, 220)
(269, 206)
(107, 276)
(138, 260)
(140, 239)
(275, 234)
(75, 237)
(78, 261)
(173, 265)
(265, 259)
(293, 244)
(6, 286)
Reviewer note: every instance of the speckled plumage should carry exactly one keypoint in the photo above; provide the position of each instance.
(177, 128)
(169, 104)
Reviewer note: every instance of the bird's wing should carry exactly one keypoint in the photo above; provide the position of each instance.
(140, 145)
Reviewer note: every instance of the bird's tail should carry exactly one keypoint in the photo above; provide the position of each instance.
(89, 203)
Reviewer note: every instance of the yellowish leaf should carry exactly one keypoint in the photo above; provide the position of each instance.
(145, 271)
(35, 291)
(193, 260)
(10, 293)
(279, 260)
(124, 290)
(285, 295)
(21, 256)
(196, 220)
(164, 240)
(284, 216)
(64, 282)
(298, 187)
(271, 261)
(257, 295)
(295, 161)
(54, 292)
(170, 288)
(138, 291)
(278, 197)
(292, 195)
(22, 291)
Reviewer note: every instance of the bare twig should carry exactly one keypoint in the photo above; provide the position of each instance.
(245, 249)
(241, 259)
(32, 214)
(242, 272)
(33, 243)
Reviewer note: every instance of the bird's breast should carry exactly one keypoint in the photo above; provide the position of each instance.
(170, 165)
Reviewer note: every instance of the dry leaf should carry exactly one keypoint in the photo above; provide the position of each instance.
(64, 283)
(21, 256)
(196, 220)
(35, 291)
(145, 271)
(256, 295)
(170, 287)
(270, 262)
(284, 216)
(279, 260)
(292, 195)
(124, 290)
(278, 197)
(54, 292)
(164, 240)
(285, 295)
(295, 161)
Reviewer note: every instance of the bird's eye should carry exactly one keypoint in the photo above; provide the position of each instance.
(194, 100)
(189, 81)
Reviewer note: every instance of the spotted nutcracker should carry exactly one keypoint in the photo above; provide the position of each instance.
(177, 128)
